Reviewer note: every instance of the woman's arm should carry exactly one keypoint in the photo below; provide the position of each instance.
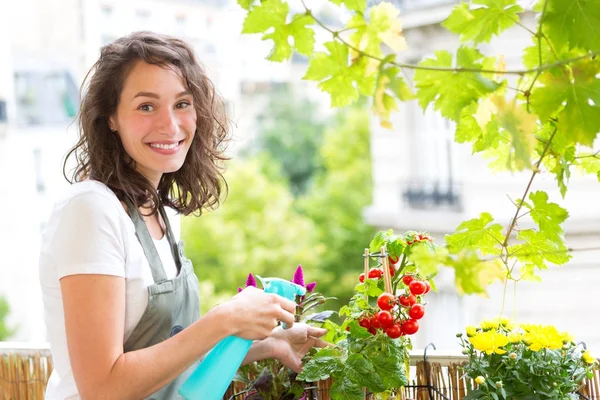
(94, 308)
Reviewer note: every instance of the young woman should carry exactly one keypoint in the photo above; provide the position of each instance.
(121, 299)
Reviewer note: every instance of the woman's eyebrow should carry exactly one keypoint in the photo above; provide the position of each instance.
(156, 96)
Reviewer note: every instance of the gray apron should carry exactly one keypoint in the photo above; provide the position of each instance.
(173, 304)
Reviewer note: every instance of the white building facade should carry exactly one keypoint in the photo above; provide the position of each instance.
(425, 181)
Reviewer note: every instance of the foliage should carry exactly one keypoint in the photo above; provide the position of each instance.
(336, 201)
(526, 362)
(5, 330)
(291, 132)
(255, 229)
(371, 344)
(269, 379)
(543, 117)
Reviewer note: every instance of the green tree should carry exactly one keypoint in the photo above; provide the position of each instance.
(255, 230)
(336, 202)
(5, 331)
(291, 130)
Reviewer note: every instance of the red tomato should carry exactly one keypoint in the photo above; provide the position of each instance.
(361, 278)
(417, 287)
(394, 331)
(375, 324)
(385, 318)
(407, 279)
(416, 311)
(410, 327)
(407, 300)
(427, 287)
(364, 322)
(375, 273)
(386, 301)
(392, 270)
(393, 260)
(372, 331)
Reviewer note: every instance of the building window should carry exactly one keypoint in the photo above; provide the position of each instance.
(434, 182)
(45, 97)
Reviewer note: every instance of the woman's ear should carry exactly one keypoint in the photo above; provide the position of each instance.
(112, 123)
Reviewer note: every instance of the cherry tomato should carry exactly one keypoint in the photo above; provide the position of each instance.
(385, 318)
(407, 300)
(394, 331)
(407, 279)
(386, 301)
(416, 311)
(393, 260)
(427, 287)
(364, 322)
(410, 327)
(417, 287)
(392, 270)
(375, 324)
(361, 277)
(375, 273)
(372, 331)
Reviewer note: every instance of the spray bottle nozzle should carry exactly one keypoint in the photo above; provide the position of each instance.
(283, 288)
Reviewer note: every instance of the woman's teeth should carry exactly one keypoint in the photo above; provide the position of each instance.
(164, 146)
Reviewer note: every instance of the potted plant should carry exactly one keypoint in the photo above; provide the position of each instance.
(524, 362)
(369, 352)
(270, 379)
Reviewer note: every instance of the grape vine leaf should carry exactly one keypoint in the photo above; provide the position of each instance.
(272, 14)
(245, 4)
(482, 23)
(477, 233)
(548, 216)
(389, 84)
(452, 91)
(354, 5)
(538, 249)
(474, 275)
(575, 23)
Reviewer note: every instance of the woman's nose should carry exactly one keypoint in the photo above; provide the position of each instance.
(168, 124)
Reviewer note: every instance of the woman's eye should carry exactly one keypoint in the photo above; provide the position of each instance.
(146, 107)
(183, 104)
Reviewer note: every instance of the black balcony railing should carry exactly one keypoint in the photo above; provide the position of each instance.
(433, 195)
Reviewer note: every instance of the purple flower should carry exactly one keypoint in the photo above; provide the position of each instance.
(299, 276)
(311, 287)
(239, 289)
(250, 281)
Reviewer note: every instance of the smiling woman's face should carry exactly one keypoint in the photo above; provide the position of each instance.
(155, 119)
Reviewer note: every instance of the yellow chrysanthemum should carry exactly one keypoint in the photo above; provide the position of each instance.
(567, 337)
(471, 330)
(515, 337)
(587, 357)
(489, 342)
(496, 323)
(543, 337)
(480, 379)
(527, 327)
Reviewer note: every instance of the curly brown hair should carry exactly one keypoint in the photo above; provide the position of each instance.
(99, 153)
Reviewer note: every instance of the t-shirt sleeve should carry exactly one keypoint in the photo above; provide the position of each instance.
(89, 238)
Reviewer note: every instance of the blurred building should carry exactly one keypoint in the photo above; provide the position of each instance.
(425, 181)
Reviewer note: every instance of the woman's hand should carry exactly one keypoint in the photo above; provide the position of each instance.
(290, 345)
(254, 314)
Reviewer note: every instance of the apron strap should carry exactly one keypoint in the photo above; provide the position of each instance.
(145, 239)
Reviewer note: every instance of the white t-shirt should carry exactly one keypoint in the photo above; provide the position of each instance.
(89, 232)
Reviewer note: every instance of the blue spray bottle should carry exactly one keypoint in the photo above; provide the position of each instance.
(210, 380)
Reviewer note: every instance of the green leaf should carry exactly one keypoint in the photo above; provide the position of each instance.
(528, 273)
(574, 98)
(427, 258)
(342, 81)
(344, 388)
(482, 23)
(322, 365)
(379, 240)
(361, 371)
(354, 5)
(539, 249)
(575, 23)
(548, 216)
(358, 331)
(474, 275)
(452, 91)
(478, 233)
(389, 84)
(370, 287)
(272, 14)
(245, 4)
(388, 365)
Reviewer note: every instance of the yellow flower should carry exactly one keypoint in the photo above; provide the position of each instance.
(515, 337)
(480, 379)
(496, 323)
(471, 330)
(543, 337)
(489, 342)
(567, 337)
(587, 357)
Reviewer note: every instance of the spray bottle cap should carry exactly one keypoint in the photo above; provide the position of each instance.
(283, 288)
